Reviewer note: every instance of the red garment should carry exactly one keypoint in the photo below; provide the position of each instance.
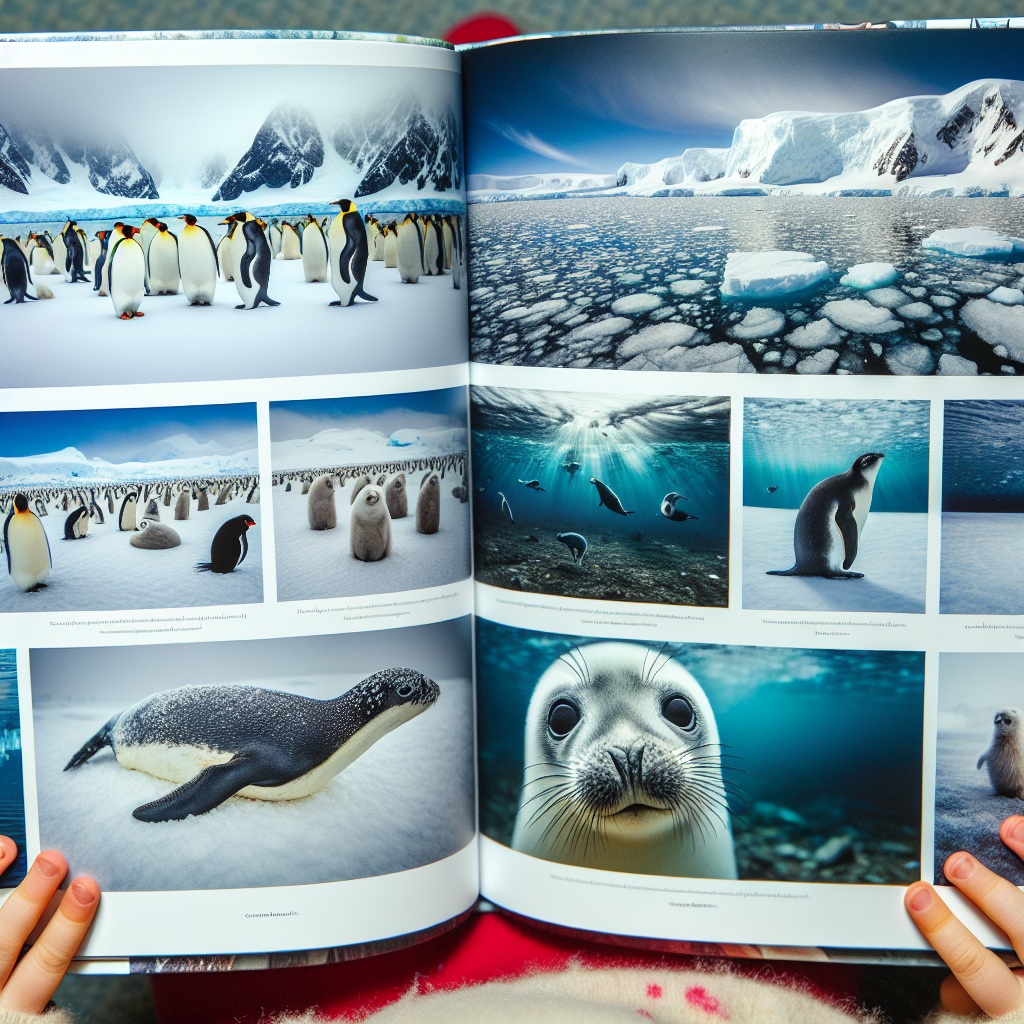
(480, 28)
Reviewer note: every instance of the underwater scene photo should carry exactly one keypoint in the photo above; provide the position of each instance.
(701, 760)
(835, 504)
(12, 794)
(982, 568)
(607, 497)
(979, 758)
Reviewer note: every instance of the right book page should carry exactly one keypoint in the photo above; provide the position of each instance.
(747, 322)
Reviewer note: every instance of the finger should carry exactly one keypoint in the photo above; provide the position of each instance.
(1012, 833)
(21, 913)
(8, 852)
(954, 999)
(43, 967)
(1000, 900)
(983, 976)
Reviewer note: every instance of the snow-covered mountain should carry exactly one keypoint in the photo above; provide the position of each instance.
(969, 141)
(14, 169)
(337, 447)
(539, 184)
(181, 446)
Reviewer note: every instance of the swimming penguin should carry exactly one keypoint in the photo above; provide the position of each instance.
(831, 519)
(609, 498)
(347, 236)
(162, 261)
(314, 251)
(670, 508)
(16, 274)
(253, 273)
(76, 525)
(772, 490)
(229, 547)
(410, 250)
(27, 547)
(222, 740)
(534, 485)
(576, 543)
(75, 254)
(126, 518)
(126, 275)
(506, 508)
(572, 468)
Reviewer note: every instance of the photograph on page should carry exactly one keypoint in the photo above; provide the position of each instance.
(12, 795)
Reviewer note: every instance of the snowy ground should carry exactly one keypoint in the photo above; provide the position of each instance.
(982, 555)
(408, 801)
(102, 571)
(317, 563)
(892, 557)
(410, 326)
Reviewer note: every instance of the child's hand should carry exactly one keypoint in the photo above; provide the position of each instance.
(980, 980)
(28, 987)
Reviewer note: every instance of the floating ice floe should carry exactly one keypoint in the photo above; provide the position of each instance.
(1007, 296)
(943, 301)
(660, 337)
(820, 362)
(760, 322)
(601, 329)
(974, 241)
(533, 314)
(865, 276)
(891, 298)
(765, 275)
(956, 366)
(910, 360)
(641, 302)
(815, 335)
(916, 310)
(689, 286)
(996, 324)
(860, 315)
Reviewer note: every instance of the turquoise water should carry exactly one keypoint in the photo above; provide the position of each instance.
(794, 444)
(12, 801)
(983, 457)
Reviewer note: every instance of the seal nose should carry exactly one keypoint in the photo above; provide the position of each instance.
(629, 762)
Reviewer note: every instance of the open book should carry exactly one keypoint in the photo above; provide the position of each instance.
(701, 349)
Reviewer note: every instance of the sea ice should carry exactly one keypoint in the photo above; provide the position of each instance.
(865, 276)
(815, 335)
(721, 357)
(943, 301)
(910, 360)
(688, 286)
(956, 366)
(974, 241)
(600, 329)
(760, 322)
(660, 336)
(820, 362)
(996, 324)
(535, 313)
(860, 315)
(642, 302)
(765, 275)
(1007, 296)
(916, 311)
(891, 298)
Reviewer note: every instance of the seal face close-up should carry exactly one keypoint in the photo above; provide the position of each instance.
(624, 767)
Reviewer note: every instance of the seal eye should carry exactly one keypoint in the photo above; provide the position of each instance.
(679, 712)
(562, 719)
(405, 690)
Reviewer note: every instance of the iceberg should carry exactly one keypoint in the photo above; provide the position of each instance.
(767, 275)
(865, 276)
(980, 242)
(404, 438)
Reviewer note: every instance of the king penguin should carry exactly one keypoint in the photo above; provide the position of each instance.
(28, 550)
(197, 262)
(349, 254)
(75, 257)
(224, 250)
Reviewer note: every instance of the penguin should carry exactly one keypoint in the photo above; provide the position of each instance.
(275, 238)
(126, 517)
(98, 282)
(431, 253)
(458, 249)
(76, 526)
(397, 497)
(291, 246)
(831, 519)
(41, 256)
(126, 275)
(230, 545)
(349, 254)
(320, 508)
(224, 251)
(162, 261)
(506, 508)
(446, 236)
(410, 250)
(27, 547)
(16, 274)
(369, 525)
(75, 254)
(391, 246)
(428, 505)
(253, 274)
(146, 235)
(534, 485)
(116, 233)
(60, 257)
(314, 251)
(197, 262)
(772, 490)
(670, 508)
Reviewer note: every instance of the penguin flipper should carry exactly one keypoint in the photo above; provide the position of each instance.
(984, 757)
(364, 295)
(93, 746)
(212, 786)
(848, 528)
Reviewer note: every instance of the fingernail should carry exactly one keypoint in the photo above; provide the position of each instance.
(83, 893)
(961, 867)
(46, 867)
(1017, 832)
(921, 900)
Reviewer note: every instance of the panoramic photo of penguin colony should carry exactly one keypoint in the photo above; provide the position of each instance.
(341, 555)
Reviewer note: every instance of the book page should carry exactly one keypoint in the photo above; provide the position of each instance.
(235, 626)
(747, 324)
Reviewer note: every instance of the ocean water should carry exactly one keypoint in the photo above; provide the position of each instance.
(792, 445)
(983, 457)
(12, 799)
(642, 448)
(820, 744)
(579, 256)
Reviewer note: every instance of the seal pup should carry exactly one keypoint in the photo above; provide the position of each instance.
(369, 525)
(428, 505)
(576, 543)
(610, 499)
(670, 508)
(397, 496)
(624, 767)
(155, 536)
(320, 508)
(1005, 755)
(236, 740)
(831, 519)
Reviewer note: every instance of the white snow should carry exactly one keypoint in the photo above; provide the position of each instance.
(974, 241)
(865, 276)
(982, 553)
(997, 324)
(892, 556)
(318, 564)
(860, 315)
(641, 302)
(406, 802)
(1007, 296)
(769, 274)
(816, 334)
(337, 447)
(659, 337)
(759, 322)
(102, 571)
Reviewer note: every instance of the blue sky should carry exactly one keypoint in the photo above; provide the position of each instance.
(421, 410)
(116, 434)
(590, 103)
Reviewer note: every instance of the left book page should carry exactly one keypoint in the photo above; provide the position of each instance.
(235, 645)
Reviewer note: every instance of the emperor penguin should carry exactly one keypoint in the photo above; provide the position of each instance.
(163, 262)
(291, 247)
(446, 234)
(430, 252)
(27, 547)
(275, 238)
(15, 272)
(831, 519)
(380, 236)
(41, 256)
(410, 249)
(99, 262)
(126, 517)
(457, 251)
(253, 273)
(224, 251)
(314, 251)
(126, 275)
(146, 235)
(391, 246)
(116, 234)
(60, 257)
(92, 249)
(197, 262)
(349, 254)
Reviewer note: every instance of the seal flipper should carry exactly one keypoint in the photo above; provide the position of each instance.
(94, 746)
(848, 528)
(212, 786)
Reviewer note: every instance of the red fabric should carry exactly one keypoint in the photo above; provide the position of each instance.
(480, 28)
(486, 947)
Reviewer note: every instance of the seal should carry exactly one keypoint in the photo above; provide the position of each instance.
(624, 770)
(236, 740)
(1005, 755)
